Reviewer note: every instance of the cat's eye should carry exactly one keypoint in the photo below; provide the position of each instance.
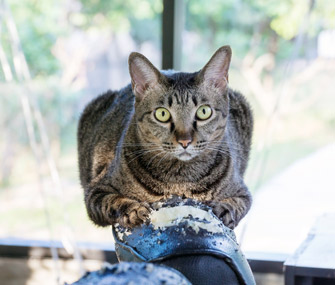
(162, 115)
(204, 112)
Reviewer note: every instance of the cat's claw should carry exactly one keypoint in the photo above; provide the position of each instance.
(136, 214)
(224, 213)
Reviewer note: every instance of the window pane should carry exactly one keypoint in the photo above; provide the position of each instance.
(73, 52)
(284, 63)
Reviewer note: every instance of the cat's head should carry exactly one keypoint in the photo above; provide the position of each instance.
(181, 115)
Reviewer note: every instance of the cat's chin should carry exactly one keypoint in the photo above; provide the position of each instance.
(185, 156)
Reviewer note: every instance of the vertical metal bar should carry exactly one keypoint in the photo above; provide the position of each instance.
(172, 27)
(167, 34)
(289, 275)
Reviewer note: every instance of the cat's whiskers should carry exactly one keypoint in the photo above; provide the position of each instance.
(136, 144)
(220, 150)
(228, 153)
(228, 145)
(231, 148)
(224, 142)
(143, 152)
(171, 150)
(154, 158)
(163, 157)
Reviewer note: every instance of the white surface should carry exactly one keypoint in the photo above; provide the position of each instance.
(318, 250)
(285, 209)
(167, 217)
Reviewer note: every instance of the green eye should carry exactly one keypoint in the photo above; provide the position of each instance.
(204, 112)
(162, 115)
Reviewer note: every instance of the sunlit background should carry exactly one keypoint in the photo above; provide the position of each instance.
(56, 56)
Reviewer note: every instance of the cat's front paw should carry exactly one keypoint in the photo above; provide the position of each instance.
(134, 214)
(224, 212)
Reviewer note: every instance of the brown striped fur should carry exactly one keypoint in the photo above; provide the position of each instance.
(128, 159)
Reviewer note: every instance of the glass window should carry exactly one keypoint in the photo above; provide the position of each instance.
(55, 57)
(284, 63)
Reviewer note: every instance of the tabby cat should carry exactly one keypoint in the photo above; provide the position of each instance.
(167, 133)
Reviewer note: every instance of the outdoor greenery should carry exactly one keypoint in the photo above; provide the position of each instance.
(275, 64)
(268, 26)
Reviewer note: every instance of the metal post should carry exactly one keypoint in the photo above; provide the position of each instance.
(172, 27)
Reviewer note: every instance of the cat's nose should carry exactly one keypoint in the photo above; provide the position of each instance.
(184, 143)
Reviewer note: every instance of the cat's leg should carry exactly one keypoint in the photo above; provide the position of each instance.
(105, 207)
(232, 209)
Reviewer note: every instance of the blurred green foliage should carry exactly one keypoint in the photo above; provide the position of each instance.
(268, 26)
(41, 23)
(38, 24)
(245, 24)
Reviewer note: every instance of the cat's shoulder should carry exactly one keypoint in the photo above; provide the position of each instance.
(236, 97)
(106, 100)
(239, 104)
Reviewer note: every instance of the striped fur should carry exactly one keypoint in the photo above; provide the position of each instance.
(127, 159)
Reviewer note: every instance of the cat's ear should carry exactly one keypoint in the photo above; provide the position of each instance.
(144, 75)
(215, 72)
